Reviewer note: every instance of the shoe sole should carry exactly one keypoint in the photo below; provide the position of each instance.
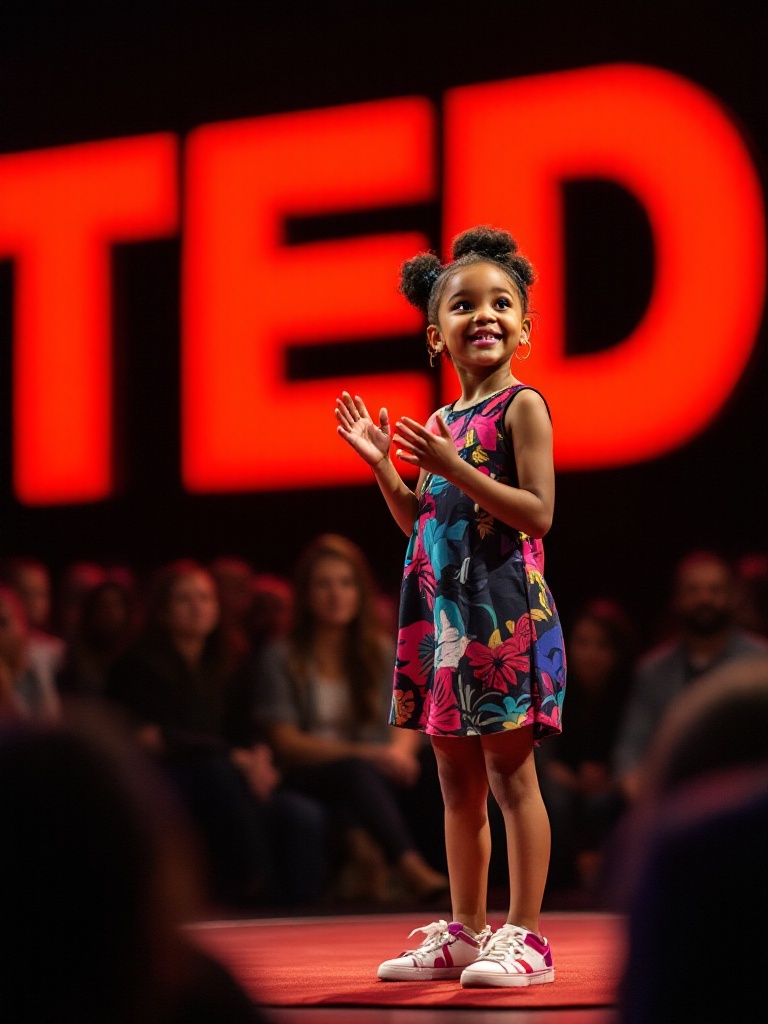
(480, 979)
(419, 973)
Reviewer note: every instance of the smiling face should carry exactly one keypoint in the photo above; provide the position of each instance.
(480, 319)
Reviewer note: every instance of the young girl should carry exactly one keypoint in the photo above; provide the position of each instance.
(480, 664)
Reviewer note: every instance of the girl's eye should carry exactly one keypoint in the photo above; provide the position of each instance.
(462, 304)
(504, 303)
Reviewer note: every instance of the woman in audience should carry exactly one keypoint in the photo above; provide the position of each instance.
(31, 581)
(105, 631)
(324, 695)
(178, 683)
(33, 694)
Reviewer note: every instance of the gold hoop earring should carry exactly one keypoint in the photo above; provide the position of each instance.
(523, 341)
(434, 354)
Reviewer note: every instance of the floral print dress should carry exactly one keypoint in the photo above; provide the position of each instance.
(480, 648)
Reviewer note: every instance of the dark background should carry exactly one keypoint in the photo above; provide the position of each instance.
(79, 72)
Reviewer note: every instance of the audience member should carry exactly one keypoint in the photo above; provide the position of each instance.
(271, 610)
(324, 696)
(234, 586)
(177, 683)
(694, 852)
(701, 892)
(33, 693)
(575, 768)
(31, 581)
(720, 722)
(106, 630)
(752, 594)
(174, 679)
(77, 580)
(703, 607)
(98, 876)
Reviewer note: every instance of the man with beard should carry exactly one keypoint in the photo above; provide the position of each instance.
(703, 605)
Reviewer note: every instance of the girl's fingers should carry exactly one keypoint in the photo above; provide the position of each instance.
(405, 431)
(397, 439)
(414, 426)
(406, 457)
(350, 405)
(343, 414)
(360, 407)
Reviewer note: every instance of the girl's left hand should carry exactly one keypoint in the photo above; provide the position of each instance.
(434, 452)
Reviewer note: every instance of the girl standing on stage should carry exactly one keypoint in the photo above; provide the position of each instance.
(480, 663)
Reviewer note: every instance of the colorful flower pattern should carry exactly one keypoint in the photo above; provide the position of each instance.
(480, 648)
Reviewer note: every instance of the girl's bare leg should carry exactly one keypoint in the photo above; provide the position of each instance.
(512, 778)
(461, 767)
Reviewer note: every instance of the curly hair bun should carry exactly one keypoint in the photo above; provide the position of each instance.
(496, 246)
(484, 241)
(417, 276)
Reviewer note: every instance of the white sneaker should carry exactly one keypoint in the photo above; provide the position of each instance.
(512, 958)
(444, 953)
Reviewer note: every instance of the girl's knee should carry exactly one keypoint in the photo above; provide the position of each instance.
(461, 769)
(459, 795)
(511, 788)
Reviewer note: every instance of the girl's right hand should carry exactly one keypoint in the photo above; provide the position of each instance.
(358, 429)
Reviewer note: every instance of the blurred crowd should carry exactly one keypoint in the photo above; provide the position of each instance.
(246, 713)
(264, 700)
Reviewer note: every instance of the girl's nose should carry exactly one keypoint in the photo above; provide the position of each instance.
(484, 313)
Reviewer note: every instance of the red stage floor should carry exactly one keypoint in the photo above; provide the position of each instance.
(323, 971)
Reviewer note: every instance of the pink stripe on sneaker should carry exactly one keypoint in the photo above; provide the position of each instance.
(448, 957)
(535, 943)
(526, 966)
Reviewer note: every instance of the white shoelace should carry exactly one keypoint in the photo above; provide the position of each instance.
(436, 934)
(501, 942)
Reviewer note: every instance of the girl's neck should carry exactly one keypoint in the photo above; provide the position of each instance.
(475, 388)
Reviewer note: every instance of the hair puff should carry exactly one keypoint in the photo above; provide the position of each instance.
(495, 245)
(417, 278)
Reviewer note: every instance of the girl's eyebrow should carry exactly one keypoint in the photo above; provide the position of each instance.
(467, 291)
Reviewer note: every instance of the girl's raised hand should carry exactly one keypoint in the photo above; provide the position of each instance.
(358, 429)
(432, 451)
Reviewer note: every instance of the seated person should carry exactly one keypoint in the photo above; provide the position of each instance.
(31, 581)
(703, 607)
(32, 691)
(177, 684)
(104, 632)
(323, 697)
(694, 853)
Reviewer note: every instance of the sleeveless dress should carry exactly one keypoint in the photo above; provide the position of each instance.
(480, 648)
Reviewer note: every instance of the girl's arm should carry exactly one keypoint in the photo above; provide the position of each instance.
(527, 507)
(372, 444)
